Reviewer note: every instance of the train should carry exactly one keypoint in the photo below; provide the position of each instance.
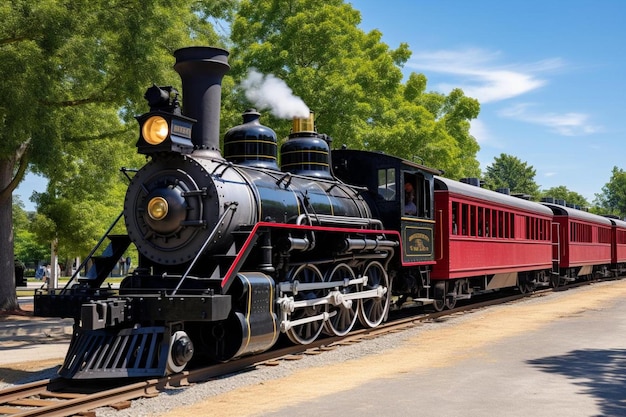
(244, 248)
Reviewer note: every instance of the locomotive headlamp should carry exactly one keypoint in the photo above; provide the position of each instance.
(164, 132)
(155, 130)
(164, 128)
(157, 208)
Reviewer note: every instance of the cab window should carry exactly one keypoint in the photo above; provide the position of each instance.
(417, 195)
(387, 183)
(410, 195)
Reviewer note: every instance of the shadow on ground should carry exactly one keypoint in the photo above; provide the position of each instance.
(19, 376)
(600, 373)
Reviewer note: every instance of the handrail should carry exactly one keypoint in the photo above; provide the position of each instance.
(88, 257)
(327, 219)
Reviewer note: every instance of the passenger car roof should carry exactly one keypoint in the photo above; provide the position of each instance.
(617, 222)
(559, 210)
(459, 188)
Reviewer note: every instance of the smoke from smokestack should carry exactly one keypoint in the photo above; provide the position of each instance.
(269, 92)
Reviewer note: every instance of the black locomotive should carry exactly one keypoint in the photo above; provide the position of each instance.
(235, 250)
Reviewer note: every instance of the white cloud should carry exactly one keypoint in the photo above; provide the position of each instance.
(492, 86)
(566, 124)
(480, 132)
(478, 75)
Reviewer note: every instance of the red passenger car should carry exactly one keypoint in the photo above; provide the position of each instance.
(582, 244)
(487, 240)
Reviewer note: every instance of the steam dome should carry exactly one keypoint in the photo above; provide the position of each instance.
(251, 143)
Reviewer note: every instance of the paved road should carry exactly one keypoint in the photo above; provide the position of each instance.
(575, 366)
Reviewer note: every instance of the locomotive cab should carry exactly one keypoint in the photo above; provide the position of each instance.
(401, 192)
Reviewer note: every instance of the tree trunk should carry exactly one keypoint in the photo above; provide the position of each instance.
(8, 296)
(53, 279)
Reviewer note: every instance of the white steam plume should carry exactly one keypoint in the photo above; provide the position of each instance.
(269, 92)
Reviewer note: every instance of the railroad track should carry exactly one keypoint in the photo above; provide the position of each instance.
(60, 397)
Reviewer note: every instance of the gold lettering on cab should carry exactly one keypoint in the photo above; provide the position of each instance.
(419, 242)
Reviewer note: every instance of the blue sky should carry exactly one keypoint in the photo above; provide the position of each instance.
(30, 183)
(550, 77)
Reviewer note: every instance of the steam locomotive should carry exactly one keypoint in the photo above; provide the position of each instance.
(235, 250)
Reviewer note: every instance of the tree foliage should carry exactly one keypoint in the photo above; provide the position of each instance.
(28, 247)
(563, 193)
(74, 73)
(510, 172)
(612, 199)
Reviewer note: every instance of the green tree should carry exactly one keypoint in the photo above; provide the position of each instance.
(74, 73)
(612, 199)
(563, 193)
(510, 172)
(353, 82)
(28, 248)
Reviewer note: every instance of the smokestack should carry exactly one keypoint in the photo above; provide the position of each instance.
(201, 70)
